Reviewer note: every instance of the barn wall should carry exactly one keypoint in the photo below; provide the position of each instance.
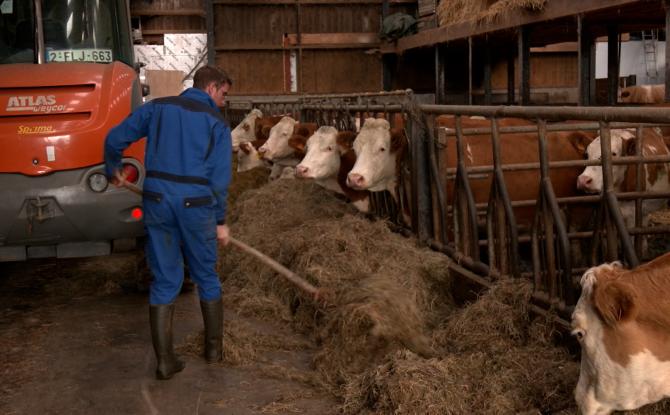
(548, 70)
(251, 44)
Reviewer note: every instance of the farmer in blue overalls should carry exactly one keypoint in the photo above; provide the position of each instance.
(188, 163)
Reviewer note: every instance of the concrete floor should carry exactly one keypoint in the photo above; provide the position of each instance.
(92, 354)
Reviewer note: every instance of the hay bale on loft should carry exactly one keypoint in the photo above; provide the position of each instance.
(458, 11)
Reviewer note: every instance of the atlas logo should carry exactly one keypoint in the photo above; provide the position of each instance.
(34, 103)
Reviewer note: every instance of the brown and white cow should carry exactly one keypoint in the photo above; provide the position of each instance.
(515, 148)
(329, 157)
(655, 174)
(253, 127)
(248, 157)
(622, 322)
(379, 151)
(643, 94)
(276, 147)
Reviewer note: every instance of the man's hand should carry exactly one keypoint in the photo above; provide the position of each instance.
(223, 234)
(119, 179)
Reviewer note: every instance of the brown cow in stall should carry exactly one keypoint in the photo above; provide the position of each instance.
(515, 148)
(622, 322)
(643, 94)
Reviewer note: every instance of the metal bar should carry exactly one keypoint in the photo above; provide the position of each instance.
(639, 183)
(437, 180)
(471, 214)
(629, 114)
(554, 127)
(505, 199)
(40, 48)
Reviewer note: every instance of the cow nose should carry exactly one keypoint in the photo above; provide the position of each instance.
(584, 182)
(301, 171)
(355, 180)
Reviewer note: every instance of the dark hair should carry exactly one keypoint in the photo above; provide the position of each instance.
(208, 74)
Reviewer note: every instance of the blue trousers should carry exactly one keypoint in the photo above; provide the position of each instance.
(176, 224)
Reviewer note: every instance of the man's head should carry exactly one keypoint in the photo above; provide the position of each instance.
(214, 81)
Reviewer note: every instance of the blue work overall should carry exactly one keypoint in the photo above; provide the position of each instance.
(188, 163)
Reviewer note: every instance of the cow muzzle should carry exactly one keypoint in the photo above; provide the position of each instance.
(356, 181)
(301, 171)
(585, 183)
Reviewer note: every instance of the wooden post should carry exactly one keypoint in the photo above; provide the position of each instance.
(524, 65)
(612, 64)
(510, 77)
(487, 73)
(440, 75)
(470, 70)
(666, 4)
(585, 42)
(209, 16)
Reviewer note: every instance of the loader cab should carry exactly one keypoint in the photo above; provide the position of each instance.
(45, 31)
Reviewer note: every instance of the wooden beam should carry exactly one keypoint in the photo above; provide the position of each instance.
(612, 64)
(306, 2)
(240, 47)
(553, 9)
(333, 39)
(666, 4)
(524, 65)
(163, 12)
(149, 32)
(585, 41)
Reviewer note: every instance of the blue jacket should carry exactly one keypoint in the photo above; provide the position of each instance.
(188, 149)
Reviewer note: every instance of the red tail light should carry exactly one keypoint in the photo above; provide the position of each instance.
(131, 173)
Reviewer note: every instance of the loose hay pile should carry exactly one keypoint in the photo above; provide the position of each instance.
(458, 11)
(391, 339)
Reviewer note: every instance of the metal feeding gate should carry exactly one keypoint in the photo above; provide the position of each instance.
(483, 238)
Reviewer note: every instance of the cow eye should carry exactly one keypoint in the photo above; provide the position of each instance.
(382, 149)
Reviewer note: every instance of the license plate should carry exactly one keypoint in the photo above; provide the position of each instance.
(80, 55)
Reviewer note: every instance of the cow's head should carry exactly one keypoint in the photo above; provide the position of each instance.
(248, 158)
(377, 150)
(246, 130)
(591, 179)
(277, 145)
(323, 151)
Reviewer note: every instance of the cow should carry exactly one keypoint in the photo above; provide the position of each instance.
(329, 156)
(254, 127)
(276, 147)
(656, 177)
(643, 94)
(622, 322)
(248, 157)
(379, 151)
(515, 148)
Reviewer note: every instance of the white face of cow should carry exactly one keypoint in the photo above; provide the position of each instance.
(248, 158)
(618, 372)
(375, 168)
(246, 130)
(591, 179)
(277, 145)
(322, 160)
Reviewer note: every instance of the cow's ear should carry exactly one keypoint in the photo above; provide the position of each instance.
(615, 301)
(579, 141)
(345, 140)
(298, 142)
(398, 141)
